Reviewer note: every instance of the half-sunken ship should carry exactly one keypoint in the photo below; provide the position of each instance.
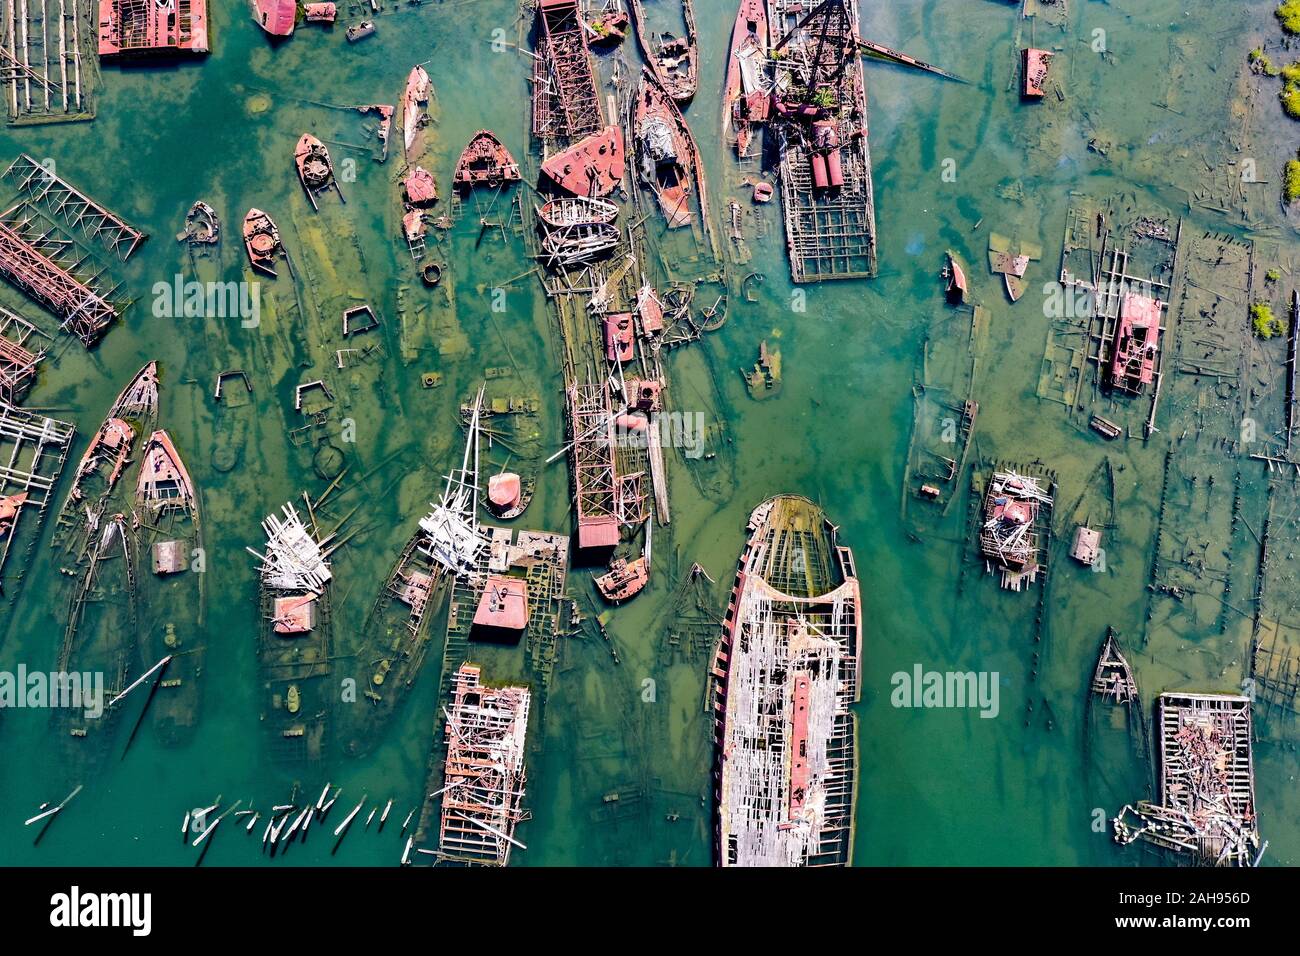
(165, 521)
(785, 675)
(295, 642)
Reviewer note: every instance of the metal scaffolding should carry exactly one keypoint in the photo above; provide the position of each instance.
(566, 105)
(38, 184)
(17, 362)
(482, 801)
(33, 450)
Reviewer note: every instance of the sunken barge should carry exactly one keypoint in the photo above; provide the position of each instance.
(1206, 805)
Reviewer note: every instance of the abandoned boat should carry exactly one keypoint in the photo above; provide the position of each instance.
(571, 245)
(262, 240)
(485, 162)
(276, 17)
(674, 60)
(593, 166)
(414, 112)
(315, 169)
(784, 679)
(747, 96)
(624, 579)
(168, 544)
(577, 210)
(295, 644)
(104, 462)
(202, 227)
(666, 155)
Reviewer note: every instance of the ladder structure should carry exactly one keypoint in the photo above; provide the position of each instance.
(33, 450)
(17, 361)
(38, 184)
(47, 64)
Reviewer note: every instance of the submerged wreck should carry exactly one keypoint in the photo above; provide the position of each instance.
(296, 639)
(1015, 509)
(785, 675)
(482, 799)
(168, 535)
(674, 60)
(1206, 805)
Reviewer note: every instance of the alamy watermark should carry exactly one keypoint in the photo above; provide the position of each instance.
(40, 689)
(683, 430)
(921, 688)
(190, 299)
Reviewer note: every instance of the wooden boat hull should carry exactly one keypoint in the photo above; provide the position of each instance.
(394, 642)
(168, 542)
(576, 211)
(793, 579)
(99, 638)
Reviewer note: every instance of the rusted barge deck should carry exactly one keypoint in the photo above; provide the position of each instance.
(785, 674)
(566, 105)
(825, 167)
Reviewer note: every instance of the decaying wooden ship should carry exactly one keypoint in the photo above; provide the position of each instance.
(96, 479)
(1015, 511)
(785, 675)
(295, 643)
(168, 537)
(1206, 802)
(99, 638)
(673, 59)
(485, 161)
(483, 793)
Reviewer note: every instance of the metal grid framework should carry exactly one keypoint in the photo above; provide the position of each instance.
(595, 478)
(566, 104)
(47, 67)
(142, 26)
(482, 800)
(39, 260)
(17, 361)
(33, 450)
(1207, 782)
(829, 234)
(39, 185)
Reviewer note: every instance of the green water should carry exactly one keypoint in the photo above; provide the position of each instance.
(936, 786)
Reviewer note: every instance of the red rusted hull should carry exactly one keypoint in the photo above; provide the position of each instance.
(127, 29)
(485, 162)
(738, 113)
(276, 17)
(262, 240)
(591, 167)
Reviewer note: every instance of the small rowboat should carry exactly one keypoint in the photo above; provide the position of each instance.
(580, 209)
(262, 240)
(580, 243)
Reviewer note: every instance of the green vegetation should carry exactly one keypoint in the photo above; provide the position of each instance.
(1272, 275)
(1265, 323)
(1290, 97)
(1288, 14)
(824, 97)
(1291, 181)
(1262, 63)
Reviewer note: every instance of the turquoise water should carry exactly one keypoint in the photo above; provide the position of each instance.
(1171, 100)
